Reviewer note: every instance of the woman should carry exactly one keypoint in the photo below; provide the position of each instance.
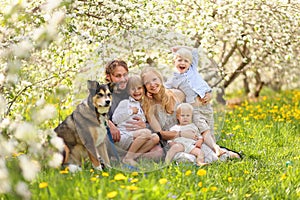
(159, 107)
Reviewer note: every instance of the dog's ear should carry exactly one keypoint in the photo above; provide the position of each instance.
(92, 86)
(112, 87)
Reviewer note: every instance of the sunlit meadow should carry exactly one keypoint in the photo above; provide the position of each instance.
(266, 132)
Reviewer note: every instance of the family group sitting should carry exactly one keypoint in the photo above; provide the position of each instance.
(158, 120)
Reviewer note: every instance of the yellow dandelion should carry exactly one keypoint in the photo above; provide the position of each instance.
(134, 180)
(132, 187)
(43, 185)
(112, 194)
(122, 186)
(134, 173)
(247, 195)
(105, 174)
(163, 181)
(120, 177)
(246, 172)
(91, 170)
(93, 179)
(188, 194)
(229, 179)
(284, 176)
(213, 188)
(201, 172)
(204, 189)
(188, 172)
(17, 154)
(64, 172)
(200, 184)
(229, 190)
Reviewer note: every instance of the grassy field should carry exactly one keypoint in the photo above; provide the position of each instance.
(267, 132)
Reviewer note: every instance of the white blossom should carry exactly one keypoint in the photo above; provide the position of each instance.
(58, 143)
(46, 113)
(23, 190)
(26, 132)
(55, 160)
(51, 4)
(30, 168)
(4, 177)
(2, 79)
(23, 48)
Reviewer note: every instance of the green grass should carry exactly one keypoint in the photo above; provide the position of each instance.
(267, 132)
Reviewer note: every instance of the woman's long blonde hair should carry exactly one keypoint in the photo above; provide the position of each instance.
(165, 97)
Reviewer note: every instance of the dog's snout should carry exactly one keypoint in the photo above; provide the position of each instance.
(107, 102)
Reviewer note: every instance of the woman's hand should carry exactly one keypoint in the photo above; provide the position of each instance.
(191, 134)
(149, 95)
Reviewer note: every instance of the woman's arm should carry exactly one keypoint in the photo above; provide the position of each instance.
(179, 95)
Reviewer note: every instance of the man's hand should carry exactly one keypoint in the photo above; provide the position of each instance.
(135, 124)
(115, 133)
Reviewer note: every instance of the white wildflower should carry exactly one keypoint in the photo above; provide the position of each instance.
(74, 168)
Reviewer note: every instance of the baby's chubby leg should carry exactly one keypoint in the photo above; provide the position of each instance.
(175, 148)
(199, 156)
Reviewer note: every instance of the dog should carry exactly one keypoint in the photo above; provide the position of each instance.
(84, 131)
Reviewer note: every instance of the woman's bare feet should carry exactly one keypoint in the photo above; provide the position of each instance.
(219, 151)
(234, 155)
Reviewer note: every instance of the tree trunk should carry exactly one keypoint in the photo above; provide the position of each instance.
(246, 84)
(258, 85)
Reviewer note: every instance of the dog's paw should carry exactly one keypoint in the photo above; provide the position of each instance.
(74, 168)
(98, 168)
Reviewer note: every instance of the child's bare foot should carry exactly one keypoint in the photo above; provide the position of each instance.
(201, 164)
(129, 161)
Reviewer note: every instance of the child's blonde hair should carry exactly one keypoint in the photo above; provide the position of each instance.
(184, 53)
(184, 106)
(134, 81)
